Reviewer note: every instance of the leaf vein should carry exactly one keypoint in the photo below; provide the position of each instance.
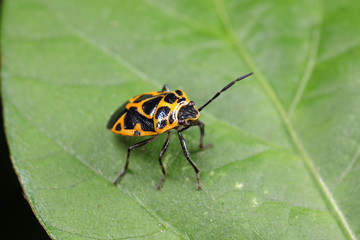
(140, 73)
(308, 163)
(168, 12)
(102, 238)
(71, 152)
(162, 221)
(349, 166)
(314, 47)
(239, 160)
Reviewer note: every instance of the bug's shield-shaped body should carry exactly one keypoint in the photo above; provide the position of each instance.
(152, 113)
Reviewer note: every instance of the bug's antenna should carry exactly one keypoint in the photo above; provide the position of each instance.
(224, 89)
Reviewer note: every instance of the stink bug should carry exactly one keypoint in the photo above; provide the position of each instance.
(154, 113)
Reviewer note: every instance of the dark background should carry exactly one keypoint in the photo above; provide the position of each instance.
(17, 221)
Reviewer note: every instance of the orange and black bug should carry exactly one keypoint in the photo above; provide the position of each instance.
(154, 113)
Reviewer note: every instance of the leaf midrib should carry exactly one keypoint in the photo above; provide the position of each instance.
(309, 164)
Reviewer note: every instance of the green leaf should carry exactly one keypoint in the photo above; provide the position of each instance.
(285, 162)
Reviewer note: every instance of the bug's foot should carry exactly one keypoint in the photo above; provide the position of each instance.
(202, 147)
(116, 181)
(198, 180)
(161, 182)
(118, 177)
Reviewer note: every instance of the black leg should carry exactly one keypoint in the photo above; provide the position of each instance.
(165, 88)
(162, 152)
(202, 133)
(187, 155)
(132, 147)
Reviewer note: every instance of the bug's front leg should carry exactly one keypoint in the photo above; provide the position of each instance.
(202, 133)
(187, 155)
(132, 147)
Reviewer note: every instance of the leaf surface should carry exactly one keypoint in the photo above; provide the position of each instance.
(285, 161)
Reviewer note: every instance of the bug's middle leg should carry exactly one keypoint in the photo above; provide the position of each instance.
(162, 152)
(132, 147)
(187, 155)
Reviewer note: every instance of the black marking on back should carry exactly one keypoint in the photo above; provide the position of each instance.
(172, 117)
(133, 117)
(179, 92)
(149, 106)
(116, 115)
(170, 98)
(137, 133)
(143, 97)
(161, 124)
(118, 127)
(180, 100)
(162, 112)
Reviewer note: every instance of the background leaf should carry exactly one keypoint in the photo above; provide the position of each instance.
(285, 162)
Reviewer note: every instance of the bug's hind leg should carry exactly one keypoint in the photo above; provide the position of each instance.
(165, 88)
(162, 152)
(187, 155)
(132, 147)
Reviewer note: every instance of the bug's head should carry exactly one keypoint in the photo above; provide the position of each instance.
(188, 113)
